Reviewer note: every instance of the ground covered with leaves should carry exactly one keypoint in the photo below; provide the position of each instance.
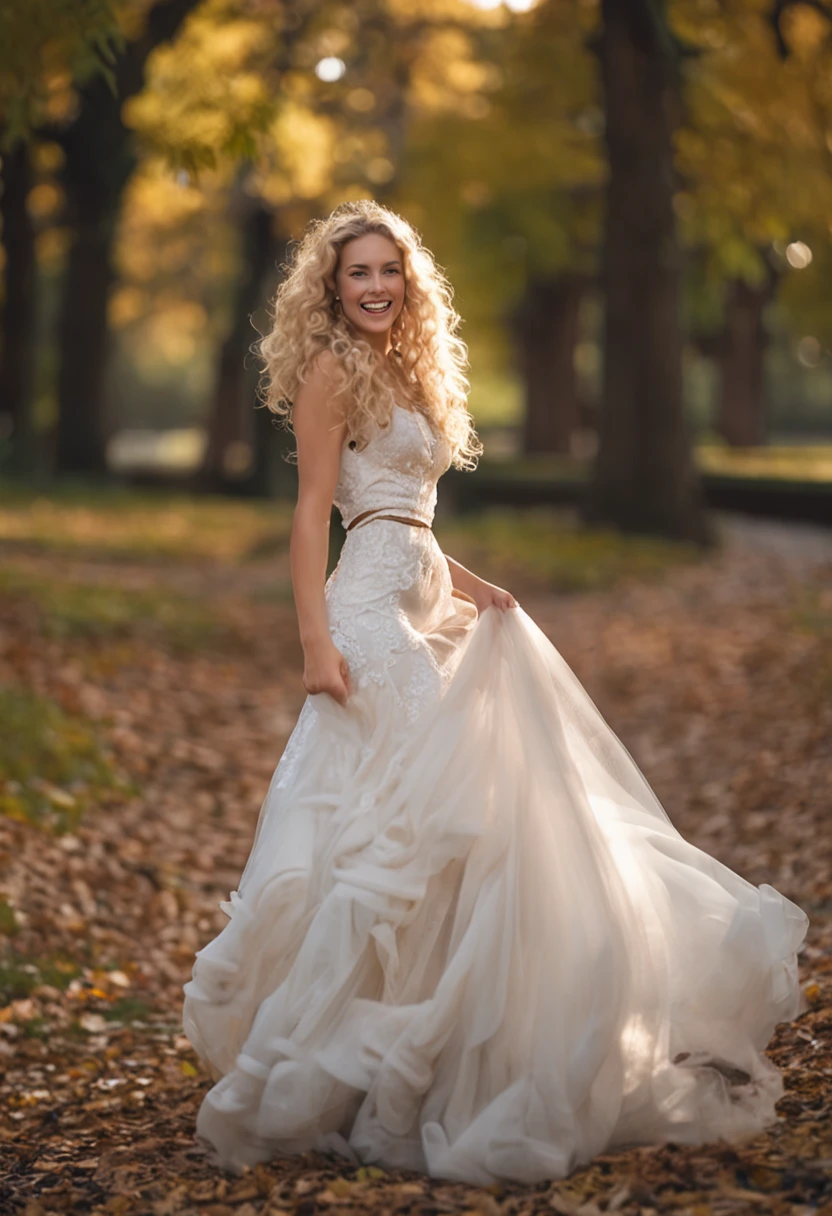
(149, 678)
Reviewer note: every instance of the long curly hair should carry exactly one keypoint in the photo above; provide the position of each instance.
(429, 359)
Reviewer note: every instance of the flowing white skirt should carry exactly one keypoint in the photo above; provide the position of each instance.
(473, 944)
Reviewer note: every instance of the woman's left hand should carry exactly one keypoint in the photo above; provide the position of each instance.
(487, 595)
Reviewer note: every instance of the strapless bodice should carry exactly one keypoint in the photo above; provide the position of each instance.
(397, 470)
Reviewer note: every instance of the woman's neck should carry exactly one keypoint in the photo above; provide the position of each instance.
(380, 343)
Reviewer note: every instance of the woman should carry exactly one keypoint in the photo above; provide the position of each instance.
(468, 940)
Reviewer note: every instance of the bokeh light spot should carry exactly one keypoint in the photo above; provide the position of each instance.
(809, 351)
(330, 69)
(798, 255)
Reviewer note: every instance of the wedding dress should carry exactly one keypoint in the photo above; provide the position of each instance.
(468, 940)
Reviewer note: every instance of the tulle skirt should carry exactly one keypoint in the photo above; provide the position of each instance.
(474, 945)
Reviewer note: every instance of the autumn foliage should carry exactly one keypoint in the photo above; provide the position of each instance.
(151, 673)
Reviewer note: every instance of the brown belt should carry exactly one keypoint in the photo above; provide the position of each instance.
(399, 519)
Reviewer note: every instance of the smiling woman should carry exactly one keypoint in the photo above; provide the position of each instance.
(363, 289)
(467, 940)
(369, 286)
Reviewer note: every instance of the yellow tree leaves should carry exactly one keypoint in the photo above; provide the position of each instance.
(44, 44)
(206, 95)
(296, 160)
(753, 151)
(716, 675)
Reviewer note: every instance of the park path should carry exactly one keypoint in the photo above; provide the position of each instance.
(718, 677)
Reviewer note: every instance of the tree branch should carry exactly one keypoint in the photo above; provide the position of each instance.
(163, 23)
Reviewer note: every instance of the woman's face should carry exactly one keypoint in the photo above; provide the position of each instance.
(370, 282)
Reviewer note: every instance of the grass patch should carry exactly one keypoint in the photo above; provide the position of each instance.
(806, 463)
(809, 463)
(547, 548)
(52, 766)
(279, 591)
(94, 610)
(8, 920)
(20, 976)
(114, 523)
(128, 1009)
(812, 615)
(35, 1028)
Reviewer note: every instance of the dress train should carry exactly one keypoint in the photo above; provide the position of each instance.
(476, 946)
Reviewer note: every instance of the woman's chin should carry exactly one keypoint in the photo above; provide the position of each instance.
(372, 332)
(371, 327)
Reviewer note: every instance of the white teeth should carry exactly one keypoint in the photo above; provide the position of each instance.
(380, 307)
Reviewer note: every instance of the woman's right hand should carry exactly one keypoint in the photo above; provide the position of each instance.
(326, 670)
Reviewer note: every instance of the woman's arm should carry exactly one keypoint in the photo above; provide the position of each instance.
(484, 595)
(320, 429)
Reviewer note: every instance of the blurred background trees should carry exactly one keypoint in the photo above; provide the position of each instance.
(633, 200)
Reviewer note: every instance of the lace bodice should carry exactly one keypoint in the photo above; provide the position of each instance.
(389, 600)
(397, 470)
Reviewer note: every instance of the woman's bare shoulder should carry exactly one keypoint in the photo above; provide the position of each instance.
(323, 369)
(321, 393)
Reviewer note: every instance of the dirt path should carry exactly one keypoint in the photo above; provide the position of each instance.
(719, 680)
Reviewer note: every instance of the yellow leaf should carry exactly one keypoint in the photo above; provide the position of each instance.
(369, 1171)
(340, 1187)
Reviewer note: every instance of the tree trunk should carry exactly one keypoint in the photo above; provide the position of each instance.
(17, 312)
(740, 352)
(83, 335)
(546, 330)
(99, 160)
(644, 479)
(234, 424)
(272, 475)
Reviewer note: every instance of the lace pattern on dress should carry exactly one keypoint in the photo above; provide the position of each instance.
(398, 469)
(386, 568)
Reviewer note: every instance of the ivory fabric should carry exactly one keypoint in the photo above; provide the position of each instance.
(468, 939)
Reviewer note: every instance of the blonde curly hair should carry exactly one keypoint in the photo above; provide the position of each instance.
(431, 360)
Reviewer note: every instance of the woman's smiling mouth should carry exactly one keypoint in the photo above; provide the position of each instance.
(377, 307)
